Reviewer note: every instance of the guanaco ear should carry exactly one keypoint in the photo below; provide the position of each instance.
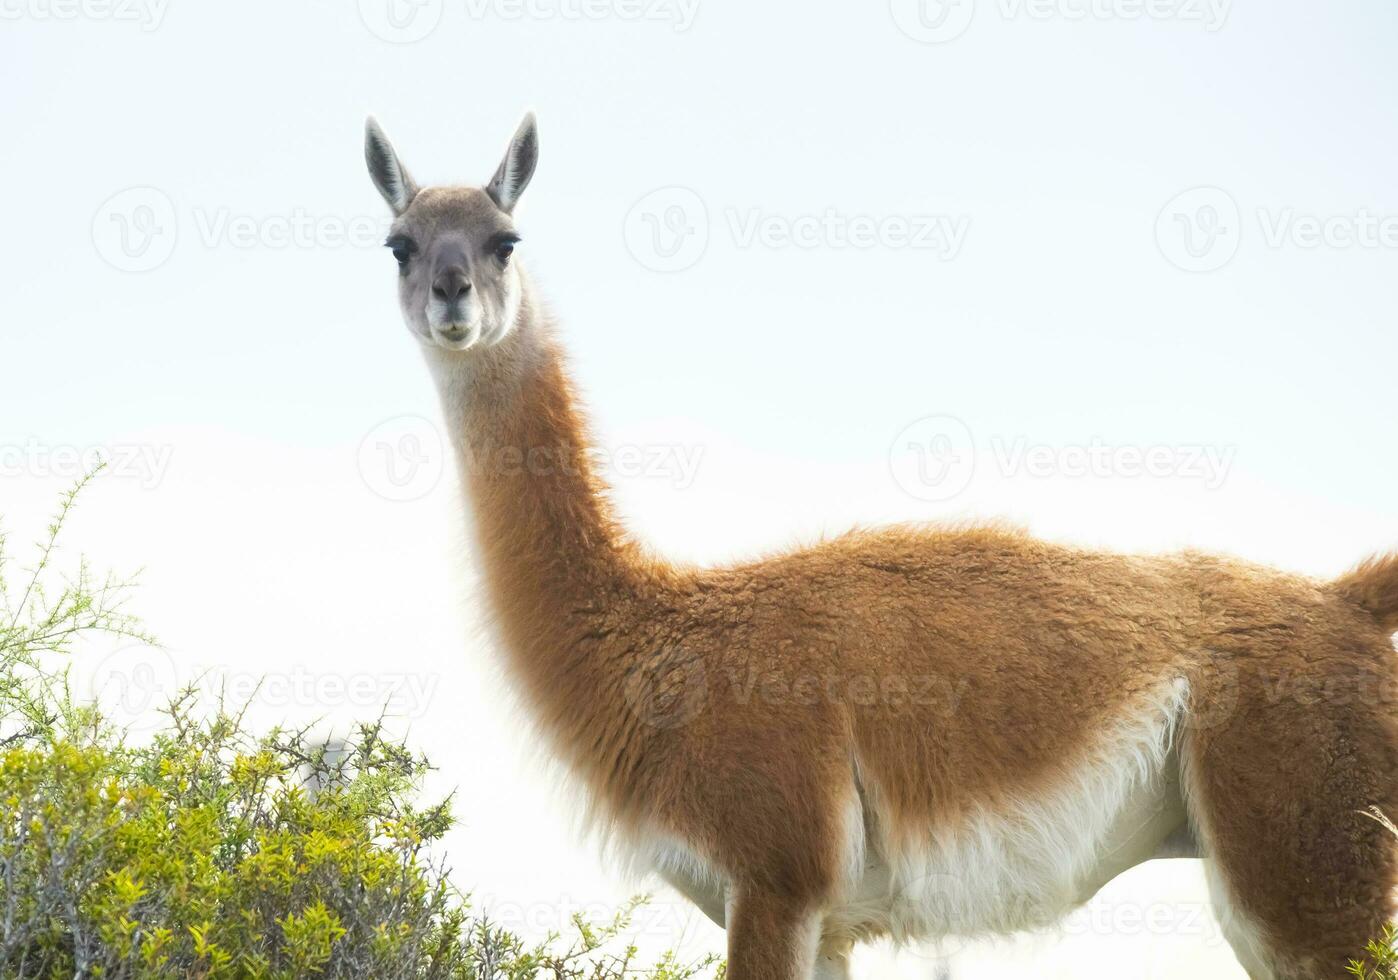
(512, 176)
(387, 171)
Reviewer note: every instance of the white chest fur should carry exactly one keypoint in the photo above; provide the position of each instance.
(1019, 867)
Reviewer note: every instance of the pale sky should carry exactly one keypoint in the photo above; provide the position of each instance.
(1128, 270)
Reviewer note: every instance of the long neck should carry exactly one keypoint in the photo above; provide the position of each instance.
(558, 570)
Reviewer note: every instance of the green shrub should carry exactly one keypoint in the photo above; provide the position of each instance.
(1382, 953)
(211, 852)
(205, 854)
(1383, 958)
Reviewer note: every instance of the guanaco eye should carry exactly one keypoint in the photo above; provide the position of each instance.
(502, 246)
(402, 248)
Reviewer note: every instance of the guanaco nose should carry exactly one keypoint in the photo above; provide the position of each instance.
(451, 284)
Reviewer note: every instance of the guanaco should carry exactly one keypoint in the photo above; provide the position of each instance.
(914, 732)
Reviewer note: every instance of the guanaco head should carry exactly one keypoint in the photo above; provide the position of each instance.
(457, 282)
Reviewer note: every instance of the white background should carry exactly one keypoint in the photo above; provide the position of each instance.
(216, 320)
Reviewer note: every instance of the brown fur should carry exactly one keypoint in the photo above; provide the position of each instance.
(1374, 585)
(746, 710)
(656, 682)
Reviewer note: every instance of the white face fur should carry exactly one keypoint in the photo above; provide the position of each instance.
(458, 283)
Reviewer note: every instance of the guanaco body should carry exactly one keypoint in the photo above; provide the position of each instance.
(917, 731)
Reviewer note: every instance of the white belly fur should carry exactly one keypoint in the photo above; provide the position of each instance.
(1018, 867)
